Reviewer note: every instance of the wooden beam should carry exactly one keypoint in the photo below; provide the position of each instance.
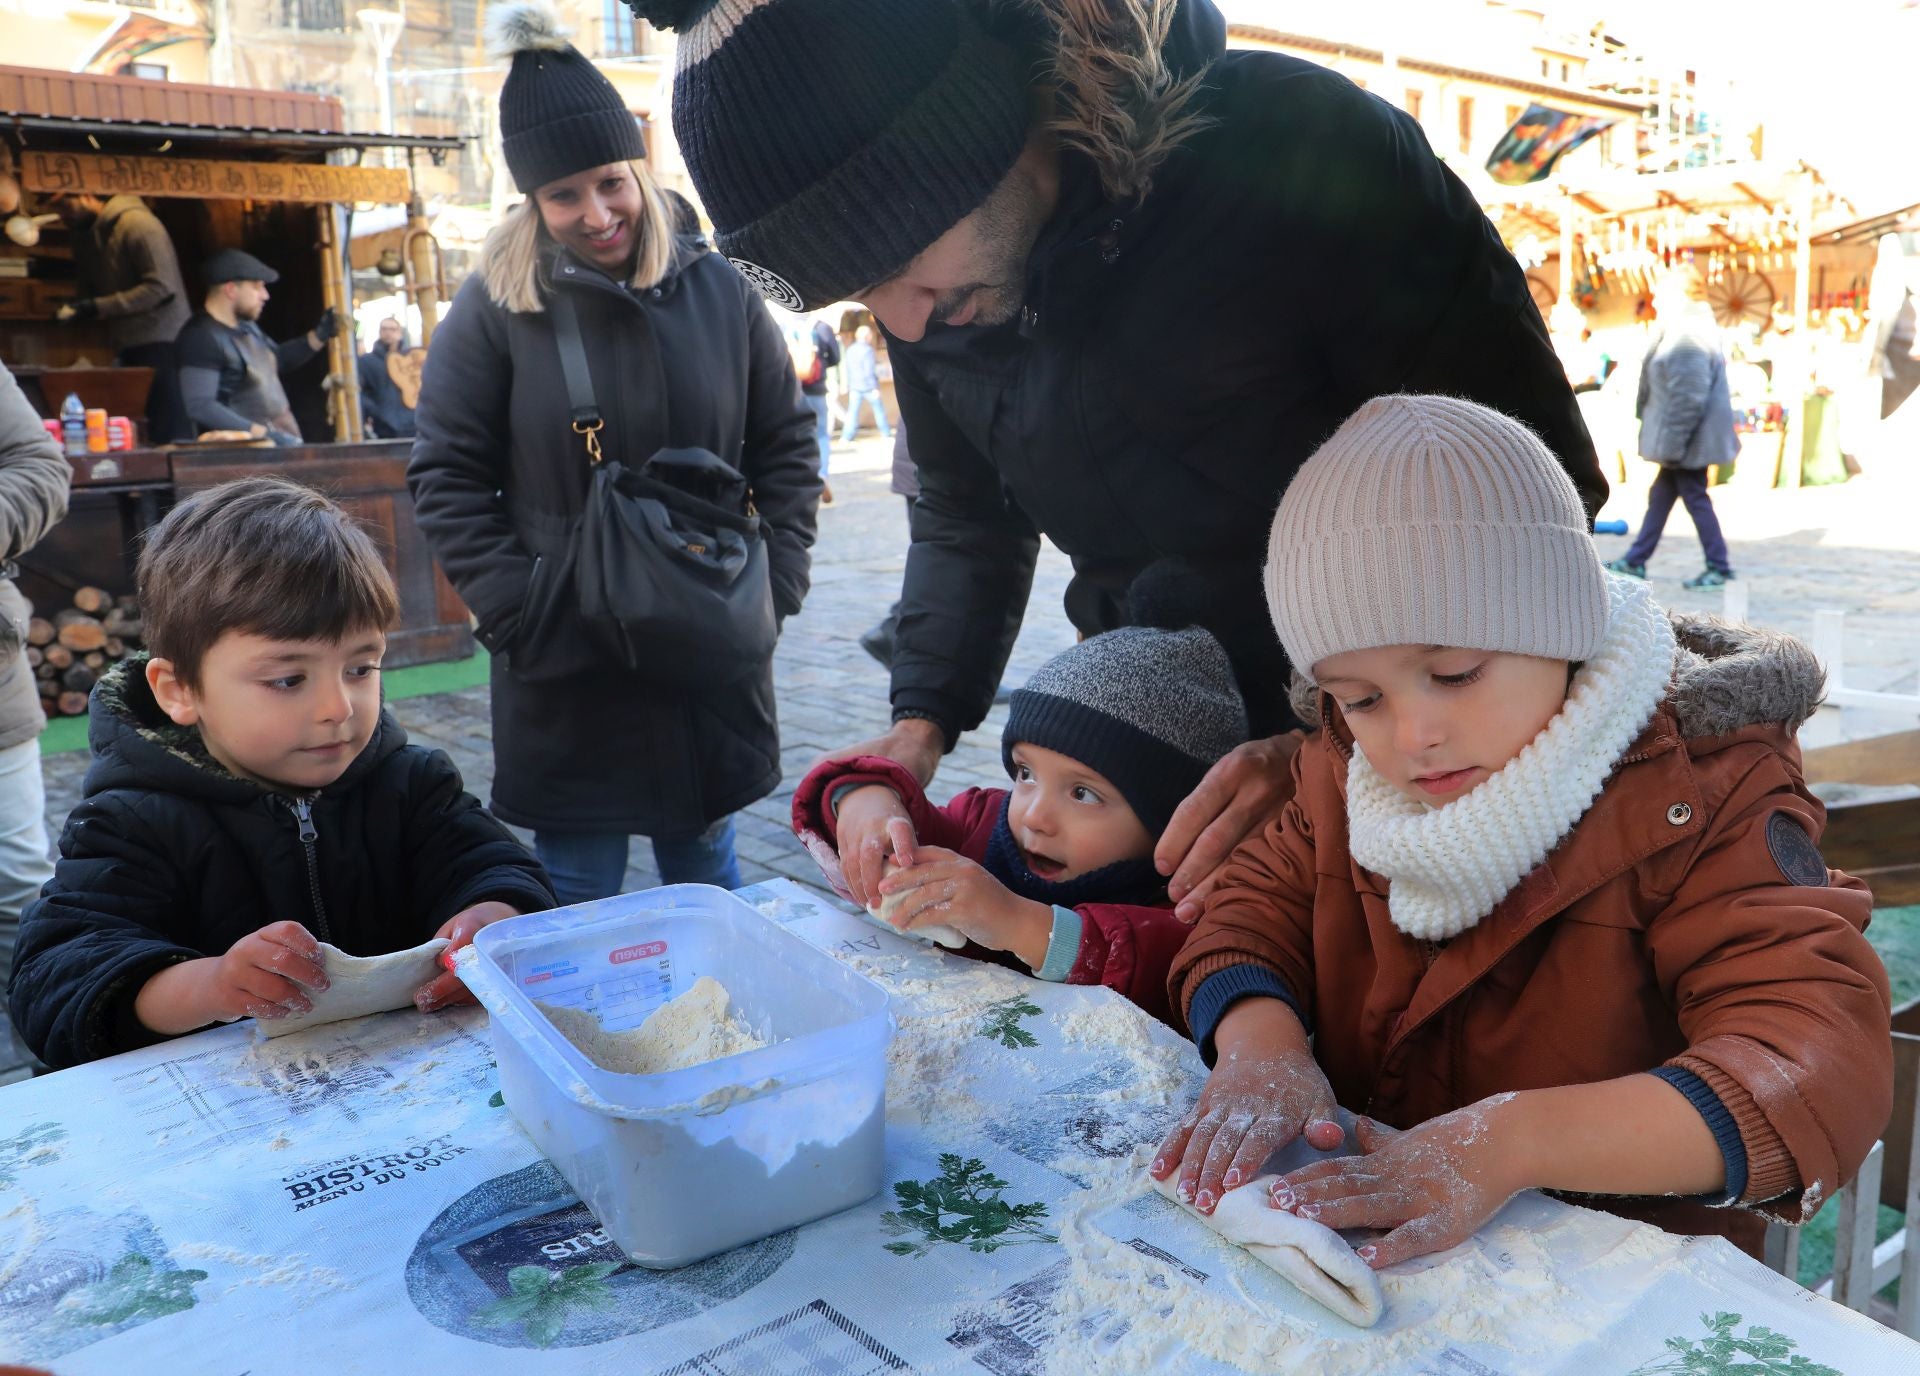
(208, 179)
(1754, 196)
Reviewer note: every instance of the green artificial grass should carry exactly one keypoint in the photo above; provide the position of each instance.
(70, 733)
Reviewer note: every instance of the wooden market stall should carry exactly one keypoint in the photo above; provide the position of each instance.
(1790, 288)
(276, 174)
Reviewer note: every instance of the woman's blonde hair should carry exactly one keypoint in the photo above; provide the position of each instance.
(510, 259)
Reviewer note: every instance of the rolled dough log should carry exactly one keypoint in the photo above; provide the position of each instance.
(880, 912)
(360, 985)
(1312, 1257)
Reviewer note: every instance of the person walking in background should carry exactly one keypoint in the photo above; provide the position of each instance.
(683, 356)
(812, 373)
(130, 278)
(1686, 425)
(863, 384)
(381, 401)
(34, 479)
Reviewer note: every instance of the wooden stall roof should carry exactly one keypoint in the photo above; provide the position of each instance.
(1708, 193)
(81, 102)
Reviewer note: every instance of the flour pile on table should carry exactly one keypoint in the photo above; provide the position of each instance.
(687, 1031)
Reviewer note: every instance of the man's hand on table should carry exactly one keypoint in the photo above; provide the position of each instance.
(266, 974)
(446, 990)
(1245, 788)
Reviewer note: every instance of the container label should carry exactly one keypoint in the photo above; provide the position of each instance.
(645, 951)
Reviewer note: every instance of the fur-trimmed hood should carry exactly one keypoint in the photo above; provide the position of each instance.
(136, 745)
(1727, 675)
(1126, 74)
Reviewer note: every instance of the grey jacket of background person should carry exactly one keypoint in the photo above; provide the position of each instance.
(134, 277)
(1685, 406)
(33, 497)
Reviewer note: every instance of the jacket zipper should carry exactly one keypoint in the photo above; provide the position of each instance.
(302, 809)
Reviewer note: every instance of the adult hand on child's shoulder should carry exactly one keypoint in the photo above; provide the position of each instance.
(1265, 1090)
(1429, 1188)
(265, 974)
(871, 824)
(944, 888)
(446, 990)
(1245, 788)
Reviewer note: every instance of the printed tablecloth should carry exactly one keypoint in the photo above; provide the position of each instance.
(356, 1199)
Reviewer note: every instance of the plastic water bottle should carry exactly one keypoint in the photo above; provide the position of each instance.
(73, 425)
(1609, 527)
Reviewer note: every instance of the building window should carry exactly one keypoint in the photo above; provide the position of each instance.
(326, 15)
(1546, 68)
(1413, 103)
(1563, 73)
(147, 71)
(616, 29)
(1466, 124)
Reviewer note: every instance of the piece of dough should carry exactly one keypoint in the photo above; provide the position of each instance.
(1310, 1256)
(888, 906)
(359, 985)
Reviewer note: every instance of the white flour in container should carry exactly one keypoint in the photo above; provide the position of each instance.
(686, 1031)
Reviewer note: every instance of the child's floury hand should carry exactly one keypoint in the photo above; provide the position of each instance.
(443, 991)
(265, 974)
(941, 887)
(1265, 1091)
(1431, 1186)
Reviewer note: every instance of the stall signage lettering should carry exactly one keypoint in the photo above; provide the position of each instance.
(104, 174)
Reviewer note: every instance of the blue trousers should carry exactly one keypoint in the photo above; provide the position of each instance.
(822, 428)
(1688, 485)
(585, 865)
(871, 399)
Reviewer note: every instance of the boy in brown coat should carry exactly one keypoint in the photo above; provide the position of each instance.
(1547, 898)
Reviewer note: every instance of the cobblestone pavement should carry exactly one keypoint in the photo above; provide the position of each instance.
(1854, 548)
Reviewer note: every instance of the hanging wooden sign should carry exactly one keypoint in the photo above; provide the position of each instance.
(104, 174)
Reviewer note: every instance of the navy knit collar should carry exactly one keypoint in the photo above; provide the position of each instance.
(1124, 881)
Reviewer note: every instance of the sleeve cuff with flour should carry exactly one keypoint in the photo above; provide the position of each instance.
(1224, 988)
(1063, 946)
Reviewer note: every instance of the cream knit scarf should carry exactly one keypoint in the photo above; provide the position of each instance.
(1450, 866)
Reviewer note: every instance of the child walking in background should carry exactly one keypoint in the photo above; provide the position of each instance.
(1548, 897)
(249, 796)
(1056, 873)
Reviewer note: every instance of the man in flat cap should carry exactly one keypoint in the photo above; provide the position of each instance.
(229, 369)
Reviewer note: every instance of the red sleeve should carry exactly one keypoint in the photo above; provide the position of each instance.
(962, 825)
(1130, 949)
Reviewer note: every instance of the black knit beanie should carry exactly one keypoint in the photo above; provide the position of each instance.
(1152, 710)
(833, 140)
(558, 114)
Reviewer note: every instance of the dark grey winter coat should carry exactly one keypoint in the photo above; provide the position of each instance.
(498, 478)
(1685, 404)
(1298, 253)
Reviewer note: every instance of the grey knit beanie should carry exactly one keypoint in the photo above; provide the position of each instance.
(1152, 710)
(1432, 521)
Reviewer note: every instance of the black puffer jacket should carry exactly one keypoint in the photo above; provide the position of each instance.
(1298, 254)
(169, 858)
(498, 478)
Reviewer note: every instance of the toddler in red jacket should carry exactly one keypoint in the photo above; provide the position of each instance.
(1056, 873)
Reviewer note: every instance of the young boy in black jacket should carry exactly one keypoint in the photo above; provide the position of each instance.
(249, 796)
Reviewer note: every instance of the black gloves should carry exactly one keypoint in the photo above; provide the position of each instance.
(328, 327)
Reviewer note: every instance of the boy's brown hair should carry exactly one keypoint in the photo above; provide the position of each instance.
(261, 556)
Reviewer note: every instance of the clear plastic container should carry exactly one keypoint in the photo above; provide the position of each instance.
(689, 1163)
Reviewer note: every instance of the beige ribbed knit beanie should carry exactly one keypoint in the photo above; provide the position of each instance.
(1428, 520)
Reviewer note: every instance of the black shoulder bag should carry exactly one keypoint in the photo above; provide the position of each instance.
(672, 567)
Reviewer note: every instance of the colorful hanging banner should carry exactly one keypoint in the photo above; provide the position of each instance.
(1539, 139)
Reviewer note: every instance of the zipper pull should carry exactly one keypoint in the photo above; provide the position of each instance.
(1029, 322)
(303, 812)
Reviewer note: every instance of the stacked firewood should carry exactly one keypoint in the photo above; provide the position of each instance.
(71, 652)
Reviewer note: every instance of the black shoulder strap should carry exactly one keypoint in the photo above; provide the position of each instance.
(573, 359)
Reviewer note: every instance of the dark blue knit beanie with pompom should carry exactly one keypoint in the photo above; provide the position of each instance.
(833, 140)
(558, 114)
